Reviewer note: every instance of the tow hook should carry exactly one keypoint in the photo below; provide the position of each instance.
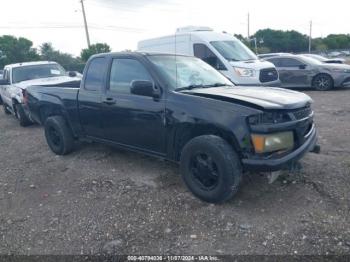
(316, 149)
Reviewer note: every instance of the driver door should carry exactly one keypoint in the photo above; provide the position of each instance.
(128, 119)
(293, 72)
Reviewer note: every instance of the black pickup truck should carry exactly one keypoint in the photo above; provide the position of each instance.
(180, 109)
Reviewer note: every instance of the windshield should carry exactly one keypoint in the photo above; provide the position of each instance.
(25, 73)
(183, 72)
(234, 50)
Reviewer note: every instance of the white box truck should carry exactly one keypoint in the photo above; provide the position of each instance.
(221, 50)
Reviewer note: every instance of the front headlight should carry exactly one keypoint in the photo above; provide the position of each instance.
(244, 72)
(267, 143)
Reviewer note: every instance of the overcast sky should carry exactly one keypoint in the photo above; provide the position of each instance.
(121, 23)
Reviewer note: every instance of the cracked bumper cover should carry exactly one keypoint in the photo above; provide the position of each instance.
(269, 165)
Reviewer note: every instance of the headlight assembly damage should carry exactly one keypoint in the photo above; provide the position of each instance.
(267, 143)
(268, 118)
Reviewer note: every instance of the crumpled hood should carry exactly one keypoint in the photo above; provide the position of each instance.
(47, 81)
(263, 97)
(335, 66)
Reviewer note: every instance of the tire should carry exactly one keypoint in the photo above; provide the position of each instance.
(6, 111)
(58, 135)
(323, 82)
(211, 169)
(21, 115)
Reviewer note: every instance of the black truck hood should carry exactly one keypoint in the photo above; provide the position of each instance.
(261, 97)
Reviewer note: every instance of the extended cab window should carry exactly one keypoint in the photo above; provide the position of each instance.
(123, 72)
(203, 52)
(95, 74)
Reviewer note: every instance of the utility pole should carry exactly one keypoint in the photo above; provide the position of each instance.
(310, 36)
(248, 23)
(85, 23)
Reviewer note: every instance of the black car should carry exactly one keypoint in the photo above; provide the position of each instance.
(180, 109)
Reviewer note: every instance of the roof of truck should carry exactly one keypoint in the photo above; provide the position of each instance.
(136, 53)
(29, 64)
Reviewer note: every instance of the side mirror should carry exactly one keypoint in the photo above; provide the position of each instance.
(4, 82)
(302, 66)
(144, 88)
(72, 73)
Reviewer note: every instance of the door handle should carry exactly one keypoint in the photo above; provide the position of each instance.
(109, 101)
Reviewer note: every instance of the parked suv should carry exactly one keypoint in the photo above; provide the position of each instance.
(181, 109)
(17, 77)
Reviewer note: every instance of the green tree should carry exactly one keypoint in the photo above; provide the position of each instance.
(94, 49)
(47, 52)
(283, 41)
(339, 41)
(16, 50)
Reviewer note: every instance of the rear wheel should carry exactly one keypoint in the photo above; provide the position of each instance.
(323, 82)
(21, 115)
(58, 135)
(211, 168)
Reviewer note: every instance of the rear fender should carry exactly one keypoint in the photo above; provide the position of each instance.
(48, 110)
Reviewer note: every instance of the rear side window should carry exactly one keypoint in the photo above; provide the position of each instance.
(203, 52)
(123, 72)
(95, 74)
(289, 62)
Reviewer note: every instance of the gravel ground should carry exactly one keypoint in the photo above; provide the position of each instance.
(104, 200)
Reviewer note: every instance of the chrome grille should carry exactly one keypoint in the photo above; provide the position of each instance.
(268, 75)
(302, 113)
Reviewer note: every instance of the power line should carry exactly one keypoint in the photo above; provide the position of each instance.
(85, 23)
(91, 26)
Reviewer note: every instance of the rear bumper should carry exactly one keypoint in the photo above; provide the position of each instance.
(269, 165)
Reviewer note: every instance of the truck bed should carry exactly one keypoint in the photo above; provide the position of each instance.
(58, 97)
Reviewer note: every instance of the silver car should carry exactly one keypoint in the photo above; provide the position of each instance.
(302, 71)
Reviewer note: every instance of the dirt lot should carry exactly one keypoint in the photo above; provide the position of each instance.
(100, 199)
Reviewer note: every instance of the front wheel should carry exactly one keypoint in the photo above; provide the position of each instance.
(58, 135)
(211, 168)
(323, 82)
(22, 117)
(6, 110)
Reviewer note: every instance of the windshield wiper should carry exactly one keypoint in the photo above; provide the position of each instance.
(190, 87)
(215, 85)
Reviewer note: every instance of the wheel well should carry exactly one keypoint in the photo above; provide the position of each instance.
(14, 103)
(46, 112)
(313, 79)
(185, 134)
